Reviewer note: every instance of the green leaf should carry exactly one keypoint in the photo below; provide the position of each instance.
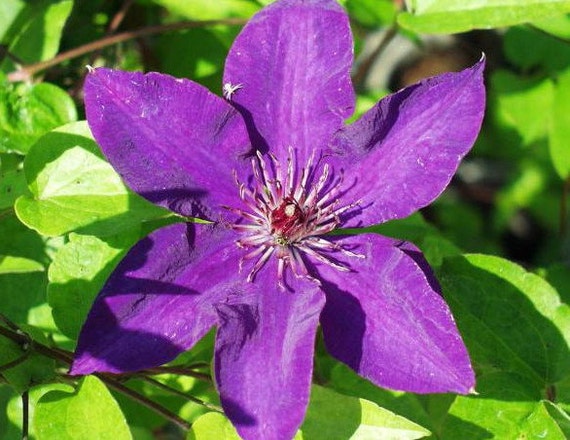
(19, 292)
(505, 409)
(330, 415)
(452, 16)
(415, 229)
(561, 417)
(18, 241)
(12, 186)
(34, 368)
(530, 49)
(558, 26)
(9, 264)
(89, 413)
(511, 320)
(28, 111)
(74, 188)
(372, 13)
(337, 417)
(77, 274)
(560, 126)
(212, 426)
(521, 105)
(204, 56)
(209, 10)
(347, 381)
(32, 30)
(14, 410)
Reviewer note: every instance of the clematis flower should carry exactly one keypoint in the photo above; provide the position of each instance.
(274, 170)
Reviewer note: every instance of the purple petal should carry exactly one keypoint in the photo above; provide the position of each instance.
(159, 300)
(292, 61)
(403, 152)
(172, 141)
(388, 322)
(264, 357)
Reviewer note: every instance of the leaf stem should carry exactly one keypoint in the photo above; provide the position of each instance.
(26, 72)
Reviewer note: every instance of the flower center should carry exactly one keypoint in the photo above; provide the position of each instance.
(288, 215)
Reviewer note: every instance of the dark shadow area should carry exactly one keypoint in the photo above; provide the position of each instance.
(237, 414)
(456, 428)
(343, 323)
(258, 142)
(415, 254)
(130, 292)
(105, 342)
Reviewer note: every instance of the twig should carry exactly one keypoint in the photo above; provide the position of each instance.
(176, 392)
(11, 331)
(15, 362)
(26, 72)
(119, 17)
(117, 385)
(183, 371)
(25, 415)
(111, 29)
(364, 67)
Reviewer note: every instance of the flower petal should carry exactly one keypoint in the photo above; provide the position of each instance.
(293, 61)
(403, 152)
(172, 141)
(264, 357)
(388, 322)
(159, 300)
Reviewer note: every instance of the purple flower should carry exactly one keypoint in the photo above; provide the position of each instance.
(274, 169)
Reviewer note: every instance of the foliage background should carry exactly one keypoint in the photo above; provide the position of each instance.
(498, 237)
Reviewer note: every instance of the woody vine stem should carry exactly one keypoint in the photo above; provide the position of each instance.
(11, 331)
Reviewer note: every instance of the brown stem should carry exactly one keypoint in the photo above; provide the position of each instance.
(111, 29)
(27, 72)
(364, 67)
(119, 17)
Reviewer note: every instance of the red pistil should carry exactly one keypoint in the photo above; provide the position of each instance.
(287, 218)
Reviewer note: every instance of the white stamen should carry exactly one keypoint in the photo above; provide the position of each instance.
(288, 219)
(230, 89)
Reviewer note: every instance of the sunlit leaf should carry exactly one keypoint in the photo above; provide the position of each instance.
(74, 188)
(32, 29)
(77, 274)
(452, 16)
(208, 10)
(88, 413)
(9, 264)
(504, 409)
(560, 126)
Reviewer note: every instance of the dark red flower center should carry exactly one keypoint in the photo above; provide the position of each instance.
(287, 218)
